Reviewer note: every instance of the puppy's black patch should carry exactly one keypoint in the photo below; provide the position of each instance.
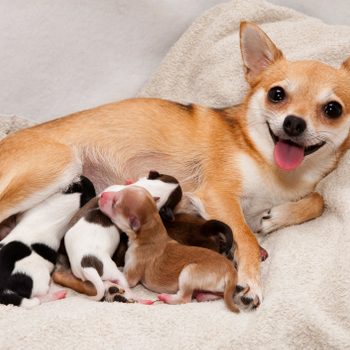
(119, 254)
(153, 175)
(1, 245)
(21, 284)
(8, 297)
(83, 186)
(45, 252)
(166, 212)
(97, 217)
(9, 254)
(92, 261)
(120, 299)
(113, 290)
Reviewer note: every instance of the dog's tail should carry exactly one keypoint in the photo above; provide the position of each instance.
(230, 286)
(91, 275)
(218, 228)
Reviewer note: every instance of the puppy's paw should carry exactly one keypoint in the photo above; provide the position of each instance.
(248, 294)
(272, 219)
(115, 293)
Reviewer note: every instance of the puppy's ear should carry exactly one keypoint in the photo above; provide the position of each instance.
(258, 51)
(346, 64)
(134, 223)
(153, 174)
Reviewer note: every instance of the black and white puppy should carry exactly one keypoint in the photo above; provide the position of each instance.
(28, 253)
(93, 238)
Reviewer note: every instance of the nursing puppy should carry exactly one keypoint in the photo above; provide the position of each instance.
(195, 231)
(28, 253)
(270, 151)
(93, 238)
(160, 263)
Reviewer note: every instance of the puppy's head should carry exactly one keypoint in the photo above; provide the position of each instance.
(167, 188)
(298, 112)
(129, 209)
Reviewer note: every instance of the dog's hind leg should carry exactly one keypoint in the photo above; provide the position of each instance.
(32, 168)
(186, 287)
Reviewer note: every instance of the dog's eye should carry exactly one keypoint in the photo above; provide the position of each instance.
(276, 94)
(333, 110)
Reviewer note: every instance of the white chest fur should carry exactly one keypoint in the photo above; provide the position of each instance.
(263, 189)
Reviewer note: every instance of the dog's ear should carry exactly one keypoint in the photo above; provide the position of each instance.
(258, 51)
(134, 223)
(346, 64)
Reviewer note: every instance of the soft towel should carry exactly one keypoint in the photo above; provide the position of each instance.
(306, 277)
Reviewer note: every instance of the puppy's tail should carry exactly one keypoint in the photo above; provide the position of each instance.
(92, 275)
(230, 286)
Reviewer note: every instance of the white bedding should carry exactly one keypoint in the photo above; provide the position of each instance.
(306, 277)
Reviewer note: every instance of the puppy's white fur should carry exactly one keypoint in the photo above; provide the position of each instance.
(91, 239)
(46, 223)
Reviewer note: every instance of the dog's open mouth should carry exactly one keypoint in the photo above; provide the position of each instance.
(288, 154)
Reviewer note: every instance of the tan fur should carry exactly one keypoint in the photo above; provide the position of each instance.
(202, 147)
(162, 264)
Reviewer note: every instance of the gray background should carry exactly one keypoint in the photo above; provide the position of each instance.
(58, 57)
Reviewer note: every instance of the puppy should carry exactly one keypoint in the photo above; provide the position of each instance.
(212, 234)
(29, 252)
(93, 238)
(195, 231)
(160, 263)
(272, 150)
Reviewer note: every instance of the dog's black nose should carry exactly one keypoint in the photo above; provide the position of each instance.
(294, 126)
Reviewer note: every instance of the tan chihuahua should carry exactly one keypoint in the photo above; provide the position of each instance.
(254, 166)
(160, 263)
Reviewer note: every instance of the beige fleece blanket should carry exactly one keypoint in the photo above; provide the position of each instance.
(307, 276)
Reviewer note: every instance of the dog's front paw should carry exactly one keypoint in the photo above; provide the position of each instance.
(272, 219)
(248, 294)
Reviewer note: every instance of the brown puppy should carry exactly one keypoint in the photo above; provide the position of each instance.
(193, 230)
(190, 230)
(160, 263)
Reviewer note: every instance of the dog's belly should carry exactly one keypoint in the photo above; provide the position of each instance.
(113, 170)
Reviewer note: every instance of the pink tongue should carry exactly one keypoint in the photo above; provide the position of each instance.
(287, 156)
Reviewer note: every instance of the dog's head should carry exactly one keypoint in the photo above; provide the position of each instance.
(130, 209)
(298, 112)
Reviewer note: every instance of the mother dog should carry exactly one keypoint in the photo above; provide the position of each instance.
(253, 166)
